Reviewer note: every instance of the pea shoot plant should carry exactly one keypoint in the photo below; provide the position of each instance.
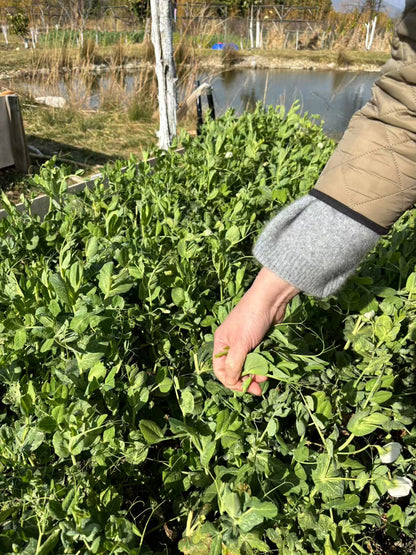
(114, 435)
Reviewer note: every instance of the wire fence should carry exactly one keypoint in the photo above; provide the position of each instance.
(274, 26)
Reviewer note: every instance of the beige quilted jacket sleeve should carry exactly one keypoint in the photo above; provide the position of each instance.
(371, 176)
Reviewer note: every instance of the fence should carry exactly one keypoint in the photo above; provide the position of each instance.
(268, 25)
(60, 15)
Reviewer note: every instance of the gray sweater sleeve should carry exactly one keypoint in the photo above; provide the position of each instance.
(313, 246)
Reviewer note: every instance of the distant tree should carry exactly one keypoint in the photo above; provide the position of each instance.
(372, 6)
(243, 7)
(77, 12)
(359, 7)
(140, 8)
(19, 25)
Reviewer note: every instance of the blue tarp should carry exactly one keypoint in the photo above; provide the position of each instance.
(222, 45)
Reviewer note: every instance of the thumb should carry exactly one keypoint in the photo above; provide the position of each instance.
(234, 363)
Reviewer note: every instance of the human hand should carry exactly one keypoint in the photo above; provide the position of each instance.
(263, 305)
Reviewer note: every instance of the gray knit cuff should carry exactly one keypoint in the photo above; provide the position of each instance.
(313, 246)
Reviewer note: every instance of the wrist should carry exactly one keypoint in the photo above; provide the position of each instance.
(273, 292)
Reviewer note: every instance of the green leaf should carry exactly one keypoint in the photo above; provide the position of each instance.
(322, 404)
(105, 278)
(79, 443)
(384, 291)
(272, 427)
(69, 500)
(60, 288)
(151, 431)
(5, 513)
(266, 509)
(91, 248)
(395, 513)
(98, 371)
(187, 401)
(249, 520)
(60, 444)
(26, 404)
(208, 453)
(255, 364)
(216, 546)
(257, 543)
(230, 502)
(383, 327)
(177, 426)
(363, 423)
(327, 478)
(19, 339)
(47, 424)
(233, 234)
(381, 397)
(32, 440)
(76, 274)
(178, 296)
(137, 453)
(50, 543)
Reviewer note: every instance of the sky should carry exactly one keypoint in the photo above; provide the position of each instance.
(394, 6)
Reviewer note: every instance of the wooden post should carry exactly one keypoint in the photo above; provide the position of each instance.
(13, 147)
(6, 153)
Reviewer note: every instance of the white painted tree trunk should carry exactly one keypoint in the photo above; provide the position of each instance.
(251, 28)
(4, 30)
(33, 37)
(165, 70)
(371, 27)
(258, 28)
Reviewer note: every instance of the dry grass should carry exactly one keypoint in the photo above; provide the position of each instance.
(100, 135)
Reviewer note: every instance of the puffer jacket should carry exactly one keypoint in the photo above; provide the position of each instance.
(371, 176)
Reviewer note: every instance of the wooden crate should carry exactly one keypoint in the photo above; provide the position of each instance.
(13, 147)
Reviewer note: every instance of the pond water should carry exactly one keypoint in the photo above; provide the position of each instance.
(333, 95)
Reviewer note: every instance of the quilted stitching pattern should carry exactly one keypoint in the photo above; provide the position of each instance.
(373, 170)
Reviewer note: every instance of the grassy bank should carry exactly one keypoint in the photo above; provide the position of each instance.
(52, 58)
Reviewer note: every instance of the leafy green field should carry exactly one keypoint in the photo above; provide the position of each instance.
(114, 435)
(104, 38)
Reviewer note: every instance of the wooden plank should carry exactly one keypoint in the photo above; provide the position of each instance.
(6, 153)
(17, 134)
(40, 205)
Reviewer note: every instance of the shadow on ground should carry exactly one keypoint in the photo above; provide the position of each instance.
(82, 156)
(14, 183)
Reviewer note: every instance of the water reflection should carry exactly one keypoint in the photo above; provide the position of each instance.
(334, 95)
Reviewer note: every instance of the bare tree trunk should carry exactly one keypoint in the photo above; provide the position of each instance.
(371, 27)
(32, 36)
(257, 28)
(4, 30)
(165, 70)
(251, 28)
(146, 35)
